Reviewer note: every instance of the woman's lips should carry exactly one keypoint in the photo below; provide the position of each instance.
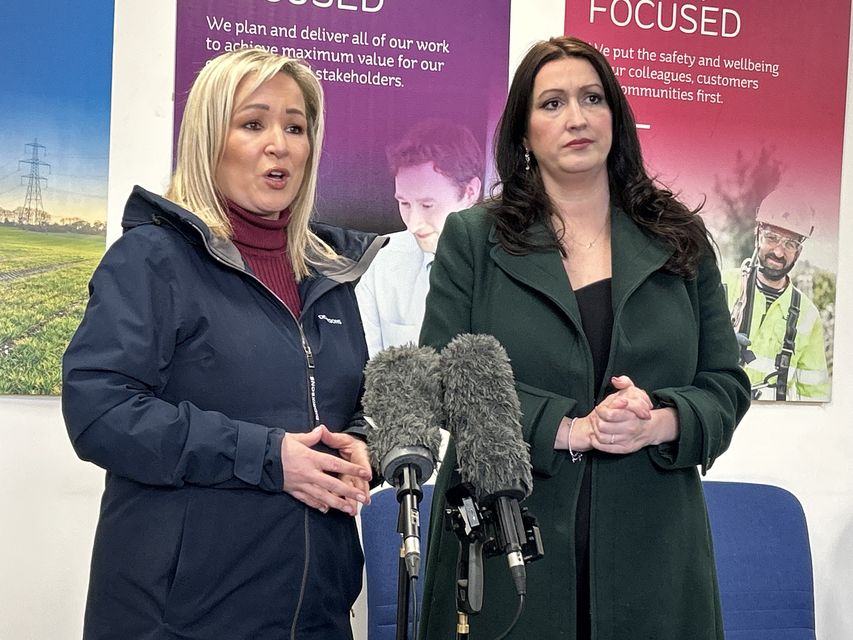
(578, 144)
(277, 178)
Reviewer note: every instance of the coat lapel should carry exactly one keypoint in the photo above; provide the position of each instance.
(542, 271)
(635, 256)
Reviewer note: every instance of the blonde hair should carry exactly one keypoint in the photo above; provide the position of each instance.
(201, 143)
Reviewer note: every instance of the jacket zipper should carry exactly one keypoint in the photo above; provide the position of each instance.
(312, 410)
(304, 583)
(312, 381)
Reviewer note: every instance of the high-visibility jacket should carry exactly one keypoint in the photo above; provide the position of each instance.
(807, 378)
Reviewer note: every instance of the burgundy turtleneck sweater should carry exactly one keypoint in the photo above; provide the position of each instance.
(263, 244)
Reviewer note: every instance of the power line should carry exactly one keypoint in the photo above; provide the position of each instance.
(9, 175)
(17, 186)
(81, 156)
(79, 176)
(101, 196)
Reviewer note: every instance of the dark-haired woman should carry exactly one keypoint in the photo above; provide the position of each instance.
(604, 290)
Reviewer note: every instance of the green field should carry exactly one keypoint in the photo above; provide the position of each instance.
(43, 279)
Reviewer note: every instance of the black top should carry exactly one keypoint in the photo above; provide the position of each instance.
(594, 303)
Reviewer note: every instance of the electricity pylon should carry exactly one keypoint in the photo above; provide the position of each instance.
(33, 210)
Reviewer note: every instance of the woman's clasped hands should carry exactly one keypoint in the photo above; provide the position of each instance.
(621, 422)
(624, 422)
(322, 480)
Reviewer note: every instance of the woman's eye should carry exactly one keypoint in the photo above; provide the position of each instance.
(296, 129)
(595, 98)
(550, 105)
(254, 125)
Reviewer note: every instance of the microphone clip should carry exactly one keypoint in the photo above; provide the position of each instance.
(480, 533)
(474, 521)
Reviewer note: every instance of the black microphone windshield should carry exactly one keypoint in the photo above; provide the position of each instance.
(484, 417)
(402, 397)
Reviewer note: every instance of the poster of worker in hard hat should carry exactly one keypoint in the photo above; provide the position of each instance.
(728, 120)
(778, 326)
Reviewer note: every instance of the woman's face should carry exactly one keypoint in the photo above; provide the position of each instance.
(570, 128)
(266, 147)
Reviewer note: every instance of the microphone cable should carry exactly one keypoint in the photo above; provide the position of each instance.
(515, 620)
(413, 589)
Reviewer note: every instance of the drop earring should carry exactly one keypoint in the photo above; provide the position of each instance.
(527, 159)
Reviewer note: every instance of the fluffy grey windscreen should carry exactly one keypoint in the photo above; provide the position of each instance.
(484, 416)
(402, 396)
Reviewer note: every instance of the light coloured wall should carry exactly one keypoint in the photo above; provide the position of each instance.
(49, 499)
(49, 502)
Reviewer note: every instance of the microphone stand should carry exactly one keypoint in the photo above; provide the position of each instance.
(469, 586)
(409, 495)
(464, 518)
(405, 467)
(403, 595)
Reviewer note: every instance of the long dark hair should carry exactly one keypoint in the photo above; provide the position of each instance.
(523, 201)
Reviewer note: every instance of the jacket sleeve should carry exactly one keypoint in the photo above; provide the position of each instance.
(449, 313)
(115, 366)
(710, 408)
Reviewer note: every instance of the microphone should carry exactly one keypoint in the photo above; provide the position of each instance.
(402, 397)
(483, 416)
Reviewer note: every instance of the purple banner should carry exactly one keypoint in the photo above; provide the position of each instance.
(384, 65)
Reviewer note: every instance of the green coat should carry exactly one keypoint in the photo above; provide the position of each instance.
(651, 560)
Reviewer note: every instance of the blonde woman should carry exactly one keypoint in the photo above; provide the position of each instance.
(216, 376)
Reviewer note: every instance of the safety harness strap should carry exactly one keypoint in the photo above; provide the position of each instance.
(783, 358)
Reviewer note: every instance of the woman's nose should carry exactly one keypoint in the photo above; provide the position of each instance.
(575, 116)
(277, 142)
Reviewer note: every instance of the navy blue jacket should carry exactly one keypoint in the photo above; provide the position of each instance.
(181, 382)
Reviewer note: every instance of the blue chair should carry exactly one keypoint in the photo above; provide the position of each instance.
(381, 558)
(764, 562)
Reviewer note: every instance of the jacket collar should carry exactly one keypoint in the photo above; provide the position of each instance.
(144, 207)
(634, 255)
(356, 248)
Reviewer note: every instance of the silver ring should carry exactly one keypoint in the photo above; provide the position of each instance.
(612, 437)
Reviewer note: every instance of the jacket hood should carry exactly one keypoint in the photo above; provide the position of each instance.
(356, 248)
(144, 207)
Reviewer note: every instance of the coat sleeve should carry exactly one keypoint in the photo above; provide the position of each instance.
(449, 313)
(710, 408)
(117, 362)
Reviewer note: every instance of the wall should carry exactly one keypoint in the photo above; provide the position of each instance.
(50, 499)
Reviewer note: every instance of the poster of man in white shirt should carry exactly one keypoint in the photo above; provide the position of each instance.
(437, 167)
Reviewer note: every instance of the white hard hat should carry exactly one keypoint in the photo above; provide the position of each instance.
(786, 209)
